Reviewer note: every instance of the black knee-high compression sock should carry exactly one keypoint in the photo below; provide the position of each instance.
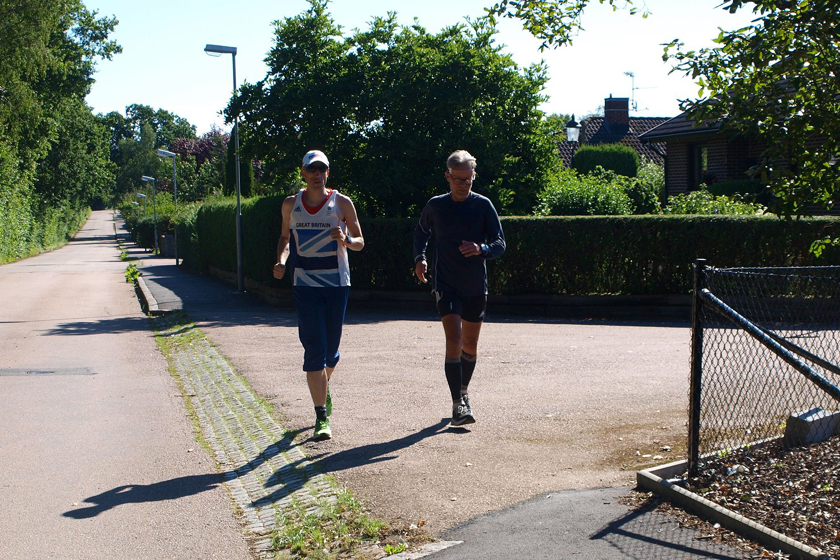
(467, 369)
(452, 367)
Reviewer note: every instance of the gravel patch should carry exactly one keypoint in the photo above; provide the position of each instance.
(794, 491)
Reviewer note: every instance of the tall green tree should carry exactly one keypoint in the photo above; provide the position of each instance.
(166, 126)
(50, 151)
(389, 104)
(776, 80)
(77, 169)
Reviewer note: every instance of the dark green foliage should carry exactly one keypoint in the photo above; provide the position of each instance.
(644, 254)
(389, 104)
(619, 158)
(260, 231)
(246, 171)
(549, 256)
(53, 152)
(569, 193)
(747, 189)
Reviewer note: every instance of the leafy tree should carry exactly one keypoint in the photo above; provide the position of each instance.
(53, 153)
(775, 80)
(47, 54)
(556, 124)
(138, 158)
(166, 126)
(208, 156)
(554, 22)
(77, 167)
(120, 129)
(389, 104)
(246, 170)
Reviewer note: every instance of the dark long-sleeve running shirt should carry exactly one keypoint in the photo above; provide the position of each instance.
(450, 222)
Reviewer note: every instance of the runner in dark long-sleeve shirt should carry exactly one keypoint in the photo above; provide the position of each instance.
(467, 232)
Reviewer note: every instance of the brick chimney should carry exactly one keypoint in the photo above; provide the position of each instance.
(617, 113)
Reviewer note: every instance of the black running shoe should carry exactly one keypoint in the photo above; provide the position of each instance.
(462, 414)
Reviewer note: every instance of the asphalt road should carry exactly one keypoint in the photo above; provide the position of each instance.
(98, 457)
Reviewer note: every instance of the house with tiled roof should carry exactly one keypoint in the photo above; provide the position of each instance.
(616, 127)
(699, 153)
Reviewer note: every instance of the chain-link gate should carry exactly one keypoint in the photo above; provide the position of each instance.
(765, 349)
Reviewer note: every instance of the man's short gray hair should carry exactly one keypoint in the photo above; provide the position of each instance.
(460, 158)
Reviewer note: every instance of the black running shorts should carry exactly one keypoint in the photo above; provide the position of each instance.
(470, 308)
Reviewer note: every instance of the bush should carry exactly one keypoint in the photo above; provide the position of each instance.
(558, 255)
(619, 158)
(648, 190)
(704, 202)
(571, 194)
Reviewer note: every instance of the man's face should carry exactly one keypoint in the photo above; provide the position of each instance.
(315, 175)
(460, 181)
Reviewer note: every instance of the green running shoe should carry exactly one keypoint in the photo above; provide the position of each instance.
(322, 430)
(329, 402)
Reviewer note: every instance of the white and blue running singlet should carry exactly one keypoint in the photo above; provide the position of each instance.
(319, 260)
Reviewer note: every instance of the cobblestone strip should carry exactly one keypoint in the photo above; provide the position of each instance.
(265, 473)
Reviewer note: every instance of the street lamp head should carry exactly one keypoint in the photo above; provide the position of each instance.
(572, 130)
(141, 195)
(216, 50)
(147, 178)
(166, 153)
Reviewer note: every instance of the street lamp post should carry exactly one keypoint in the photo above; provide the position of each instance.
(143, 196)
(215, 50)
(173, 155)
(154, 207)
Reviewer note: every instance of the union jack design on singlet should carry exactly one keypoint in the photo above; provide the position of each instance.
(319, 260)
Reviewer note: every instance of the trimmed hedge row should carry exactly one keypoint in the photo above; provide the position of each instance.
(558, 255)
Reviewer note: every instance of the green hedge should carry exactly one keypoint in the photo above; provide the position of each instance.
(619, 158)
(557, 255)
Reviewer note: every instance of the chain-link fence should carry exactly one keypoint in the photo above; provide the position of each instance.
(765, 355)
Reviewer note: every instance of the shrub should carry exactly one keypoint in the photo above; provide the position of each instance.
(704, 202)
(571, 194)
(614, 157)
(648, 189)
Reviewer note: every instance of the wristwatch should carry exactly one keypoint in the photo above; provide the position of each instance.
(484, 249)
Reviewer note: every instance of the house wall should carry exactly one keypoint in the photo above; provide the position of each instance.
(676, 169)
(718, 161)
(725, 159)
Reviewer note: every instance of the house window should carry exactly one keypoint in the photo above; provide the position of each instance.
(698, 166)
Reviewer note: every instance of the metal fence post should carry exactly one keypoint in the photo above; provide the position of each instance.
(699, 267)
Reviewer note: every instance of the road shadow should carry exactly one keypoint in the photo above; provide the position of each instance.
(180, 487)
(285, 481)
(293, 476)
(166, 490)
(111, 325)
(645, 533)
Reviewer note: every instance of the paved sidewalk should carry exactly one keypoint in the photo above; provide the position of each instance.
(587, 524)
(98, 459)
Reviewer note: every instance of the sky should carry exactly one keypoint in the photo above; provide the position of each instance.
(163, 63)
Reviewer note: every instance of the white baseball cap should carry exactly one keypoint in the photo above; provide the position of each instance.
(315, 155)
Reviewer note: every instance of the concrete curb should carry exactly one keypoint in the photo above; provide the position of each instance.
(658, 480)
(147, 300)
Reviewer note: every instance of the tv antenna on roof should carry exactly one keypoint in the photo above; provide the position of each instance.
(633, 89)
